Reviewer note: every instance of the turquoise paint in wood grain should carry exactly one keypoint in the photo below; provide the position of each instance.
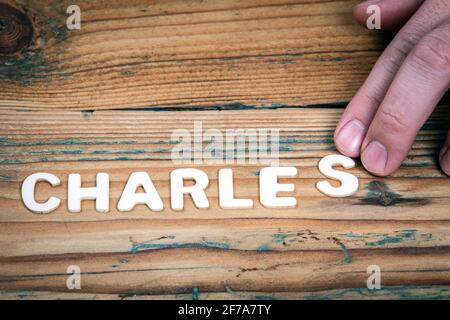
(263, 248)
(347, 255)
(195, 294)
(265, 297)
(7, 142)
(401, 236)
(239, 106)
(379, 194)
(136, 151)
(25, 294)
(312, 140)
(52, 152)
(416, 164)
(333, 59)
(27, 68)
(10, 161)
(87, 114)
(396, 292)
(6, 177)
(356, 235)
(383, 239)
(127, 72)
(136, 247)
(281, 237)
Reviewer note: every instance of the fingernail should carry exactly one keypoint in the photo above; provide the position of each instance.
(350, 138)
(374, 157)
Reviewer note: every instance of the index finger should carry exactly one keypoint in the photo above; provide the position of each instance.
(359, 113)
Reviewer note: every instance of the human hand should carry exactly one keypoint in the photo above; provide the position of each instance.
(411, 76)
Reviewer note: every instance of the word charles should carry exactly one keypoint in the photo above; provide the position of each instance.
(269, 187)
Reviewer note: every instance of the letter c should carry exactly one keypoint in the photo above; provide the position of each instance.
(28, 188)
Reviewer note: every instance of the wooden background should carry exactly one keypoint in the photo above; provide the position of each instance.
(106, 98)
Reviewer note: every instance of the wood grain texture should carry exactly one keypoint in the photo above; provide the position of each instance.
(189, 53)
(108, 97)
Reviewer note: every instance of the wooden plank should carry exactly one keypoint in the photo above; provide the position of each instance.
(307, 134)
(211, 270)
(388, 292)
(188, 53)
(274, 234)
(141, 141)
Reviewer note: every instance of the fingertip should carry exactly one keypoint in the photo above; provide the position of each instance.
(349, 137)
(350, 154)
(374, 157)
(359, 13)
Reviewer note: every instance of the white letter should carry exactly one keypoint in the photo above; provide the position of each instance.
(349, 183)
(374, 20)
(73, 21)
(226, 192)
(100, 193)
(269, 187)
(74, 281)
(197, 192)
(130, 198)
(374, 280)
(28, 187)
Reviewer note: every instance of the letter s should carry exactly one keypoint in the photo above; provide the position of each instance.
(349, 183)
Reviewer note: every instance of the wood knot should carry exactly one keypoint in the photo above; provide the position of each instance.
(16, 30)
